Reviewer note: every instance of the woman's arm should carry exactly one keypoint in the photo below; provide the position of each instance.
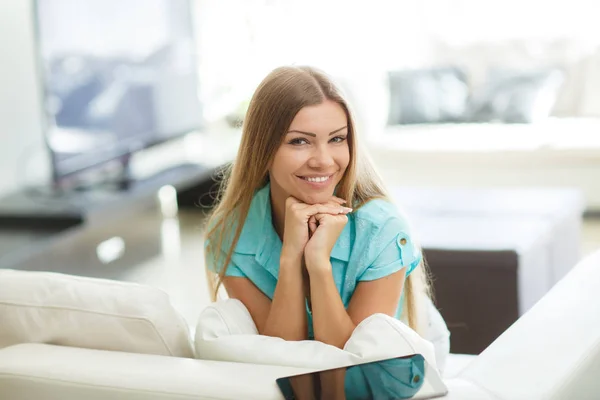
(381, 294)
(332, 323)
(285, 315)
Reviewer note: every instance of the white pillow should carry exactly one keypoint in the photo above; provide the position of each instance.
(52, 308)
(226, 332)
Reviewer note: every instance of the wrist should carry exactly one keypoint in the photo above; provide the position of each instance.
(318, 264)
(289, 259)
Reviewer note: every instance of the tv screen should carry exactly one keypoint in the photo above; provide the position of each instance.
(118, 76)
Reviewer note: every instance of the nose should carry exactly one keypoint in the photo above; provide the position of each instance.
(321, 158)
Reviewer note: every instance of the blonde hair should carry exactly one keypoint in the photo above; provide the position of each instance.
(275, 103)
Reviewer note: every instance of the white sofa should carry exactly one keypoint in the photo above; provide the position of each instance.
(551, 352)
(563, 149)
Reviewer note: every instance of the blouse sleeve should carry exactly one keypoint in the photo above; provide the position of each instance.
(390, 250)
(232, 268)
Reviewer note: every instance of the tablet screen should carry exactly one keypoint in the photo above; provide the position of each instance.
(408, 377)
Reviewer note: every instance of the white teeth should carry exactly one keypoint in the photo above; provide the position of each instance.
(318, 179)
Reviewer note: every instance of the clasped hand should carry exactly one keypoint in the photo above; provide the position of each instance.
(311, 230)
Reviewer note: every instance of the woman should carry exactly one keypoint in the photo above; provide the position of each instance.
(304, 234)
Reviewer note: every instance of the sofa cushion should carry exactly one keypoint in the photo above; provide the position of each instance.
(52, 308)
(422, 96)
(225, 332)
(515, 96)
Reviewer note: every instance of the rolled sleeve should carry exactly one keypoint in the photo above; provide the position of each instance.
(399, 251)
(234, 270)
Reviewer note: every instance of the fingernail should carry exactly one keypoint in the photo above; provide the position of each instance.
(346, 209)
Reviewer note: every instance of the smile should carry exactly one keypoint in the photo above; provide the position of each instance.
(316, 179)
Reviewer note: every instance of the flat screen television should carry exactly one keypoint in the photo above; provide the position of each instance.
(117, 76)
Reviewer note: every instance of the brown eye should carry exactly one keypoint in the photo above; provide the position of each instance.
(298, 141)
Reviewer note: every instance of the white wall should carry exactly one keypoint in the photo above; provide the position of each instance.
(23, 159)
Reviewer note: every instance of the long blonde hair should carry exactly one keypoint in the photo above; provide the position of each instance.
(275, 103)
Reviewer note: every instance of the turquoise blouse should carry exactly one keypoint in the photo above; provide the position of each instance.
(375, 243)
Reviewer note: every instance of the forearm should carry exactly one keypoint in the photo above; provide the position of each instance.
(331, 322)
(287, 315)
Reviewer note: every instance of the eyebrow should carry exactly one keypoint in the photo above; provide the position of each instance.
(314, 135)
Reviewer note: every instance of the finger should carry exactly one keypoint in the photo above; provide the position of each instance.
(333, 203)
(319, 217)
(312, 224)
(322, 218)
(326, 209)
(338, 200)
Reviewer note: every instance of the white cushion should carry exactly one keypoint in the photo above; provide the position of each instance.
(225, 332)
(435, 331)
(45, 307)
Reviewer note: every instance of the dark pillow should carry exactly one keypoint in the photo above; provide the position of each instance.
(427, 95)
(515, 96)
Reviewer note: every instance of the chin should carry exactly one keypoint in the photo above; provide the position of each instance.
(312, 195)
(315, 198)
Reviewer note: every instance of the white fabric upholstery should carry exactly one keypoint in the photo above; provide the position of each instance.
(43, 307)
(460, 389)
(553, 351)
(436, 331)
(226, 332)
(230, 317)
(47, 372)
(456, 363)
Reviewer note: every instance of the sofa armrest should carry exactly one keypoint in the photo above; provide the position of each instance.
(36, 371)
(553, 350)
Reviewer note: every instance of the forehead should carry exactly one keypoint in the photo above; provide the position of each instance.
(321, 118)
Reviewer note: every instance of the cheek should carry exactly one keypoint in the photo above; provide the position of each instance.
(286, 162)
(343, 158)
(290, 160)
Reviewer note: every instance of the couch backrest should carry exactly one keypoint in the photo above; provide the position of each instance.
(101, 314)
(579, 62)
(552, 351)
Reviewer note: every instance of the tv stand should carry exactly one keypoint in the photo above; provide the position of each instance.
(64, 208)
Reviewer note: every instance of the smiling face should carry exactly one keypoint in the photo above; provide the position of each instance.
(314, 154)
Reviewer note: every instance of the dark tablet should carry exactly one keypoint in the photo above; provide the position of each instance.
(408, 377)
